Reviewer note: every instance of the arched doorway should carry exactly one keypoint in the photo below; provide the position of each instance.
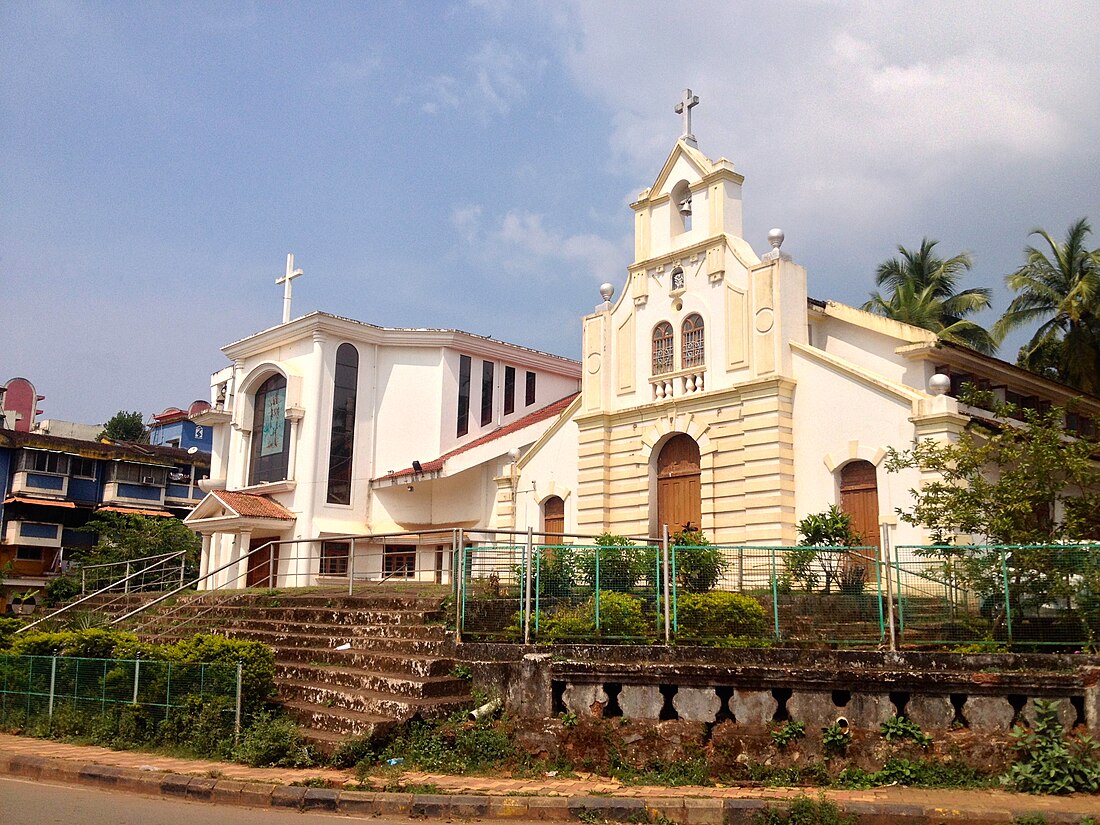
(553, 519)
(859, 499)
(679, 503)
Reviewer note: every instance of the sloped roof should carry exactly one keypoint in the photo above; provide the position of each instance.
(250, 505)
(436, 465)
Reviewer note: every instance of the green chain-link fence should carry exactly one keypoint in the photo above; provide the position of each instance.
(35, 691)
(985, 595)
(1026, 596)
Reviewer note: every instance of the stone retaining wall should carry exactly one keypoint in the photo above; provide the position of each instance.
(982, 692)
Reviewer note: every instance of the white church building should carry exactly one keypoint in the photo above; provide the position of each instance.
(711, 392)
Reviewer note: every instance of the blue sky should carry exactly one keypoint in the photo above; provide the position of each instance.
(470, 165)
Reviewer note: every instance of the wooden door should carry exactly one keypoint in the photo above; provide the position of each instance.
(859, 499)
(553, 519)
(679, 500)
(263, 567)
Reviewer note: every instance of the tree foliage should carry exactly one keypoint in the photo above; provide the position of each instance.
(1059, 285)
(1018, 480)
(125, 426)
(922, 290)
(124, 537)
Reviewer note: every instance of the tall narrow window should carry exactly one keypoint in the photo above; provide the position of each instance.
(662, 348)
(270, 433)
(486, 392)
(463, 394)
(692, 353)
(530, 396)
(342, 437)
(509, 390)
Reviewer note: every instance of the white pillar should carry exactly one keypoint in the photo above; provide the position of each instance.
(204, 560)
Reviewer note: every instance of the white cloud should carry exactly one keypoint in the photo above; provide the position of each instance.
(519, 241)
(495, 78)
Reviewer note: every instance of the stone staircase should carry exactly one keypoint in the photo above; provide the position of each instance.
(345, 666)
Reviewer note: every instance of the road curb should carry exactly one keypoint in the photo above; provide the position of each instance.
(680, 810)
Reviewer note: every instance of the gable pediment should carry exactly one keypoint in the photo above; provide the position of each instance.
(683, 155)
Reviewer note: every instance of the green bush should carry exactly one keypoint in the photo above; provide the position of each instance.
(8, 626)
(1050, 763)
(898, 728)
(718, 614)
(94, 643)
(273, 742)
(621, 618)
(619, 563)
(61, 590)
(804, 811)
(698, 564)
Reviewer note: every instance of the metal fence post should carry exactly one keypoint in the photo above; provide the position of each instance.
(1008, 595)
(53, 681)
(597, 596)
(137, 672)
(884, 566)
(126, 586)
(775, 597)
(527, 550)
(237, 718)
(183, 565)
(460, 583)
(83, 581)
(665, 580)
(351, 566)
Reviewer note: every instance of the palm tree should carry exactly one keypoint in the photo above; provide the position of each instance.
(1061, 288)
(922, 292)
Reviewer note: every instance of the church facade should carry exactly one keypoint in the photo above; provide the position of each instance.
(712, 393)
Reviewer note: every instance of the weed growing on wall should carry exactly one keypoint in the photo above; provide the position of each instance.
(1050, 762)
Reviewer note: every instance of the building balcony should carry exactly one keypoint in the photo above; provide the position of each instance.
(678, 384)
(48, 485)
(32, 533)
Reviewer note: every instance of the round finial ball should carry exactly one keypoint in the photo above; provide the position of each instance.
(775, 237)
(939, 384)
(606, 291)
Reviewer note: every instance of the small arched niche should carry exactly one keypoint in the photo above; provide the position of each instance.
(680, 208)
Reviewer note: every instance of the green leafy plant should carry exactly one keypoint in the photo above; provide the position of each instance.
(718, 614)
(699, 565)
(806, 811)
(1051, 763)
(828, 531)
(273, 742)
(615, 562)
(899, 728)
(787, 732)
(61, 590)
(835, 739)
(621, 619)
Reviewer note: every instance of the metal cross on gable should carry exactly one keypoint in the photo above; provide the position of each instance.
(291, 274)
(683, 108)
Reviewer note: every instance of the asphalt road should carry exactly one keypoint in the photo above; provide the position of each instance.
(38, 803)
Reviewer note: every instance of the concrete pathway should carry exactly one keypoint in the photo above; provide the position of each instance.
(523, 799)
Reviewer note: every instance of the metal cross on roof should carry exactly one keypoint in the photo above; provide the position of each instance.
(291, 274)
(683, 108)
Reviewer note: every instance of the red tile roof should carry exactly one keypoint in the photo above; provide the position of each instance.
(436, 465)
(249, 505)
(135, 511)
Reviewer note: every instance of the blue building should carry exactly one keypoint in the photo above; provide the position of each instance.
(50, 486)
(174, 428)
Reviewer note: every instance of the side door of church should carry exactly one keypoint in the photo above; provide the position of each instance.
(679, 499)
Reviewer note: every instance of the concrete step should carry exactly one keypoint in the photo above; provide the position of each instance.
(389, 663)
(314, 615)
(413, 687)
(334, 720)
(343, 632)
(288, 639)
(369, 702)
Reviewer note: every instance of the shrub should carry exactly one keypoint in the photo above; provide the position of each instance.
(804, 811)
(835, 739)
(95, 643)
(452, 747)
(698, 564)
(1049, 763)
(8, 626)
(718, 614)
(621, 618)
(620, 563)
(788, 732)
(61, 590)
(273, 742)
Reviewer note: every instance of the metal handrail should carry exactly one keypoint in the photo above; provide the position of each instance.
(123, 581)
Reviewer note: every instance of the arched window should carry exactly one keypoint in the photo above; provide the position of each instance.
(662, 348)
(677, 282)
(692, 352)
(270, 433)
(553, 519)
(342, 436)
